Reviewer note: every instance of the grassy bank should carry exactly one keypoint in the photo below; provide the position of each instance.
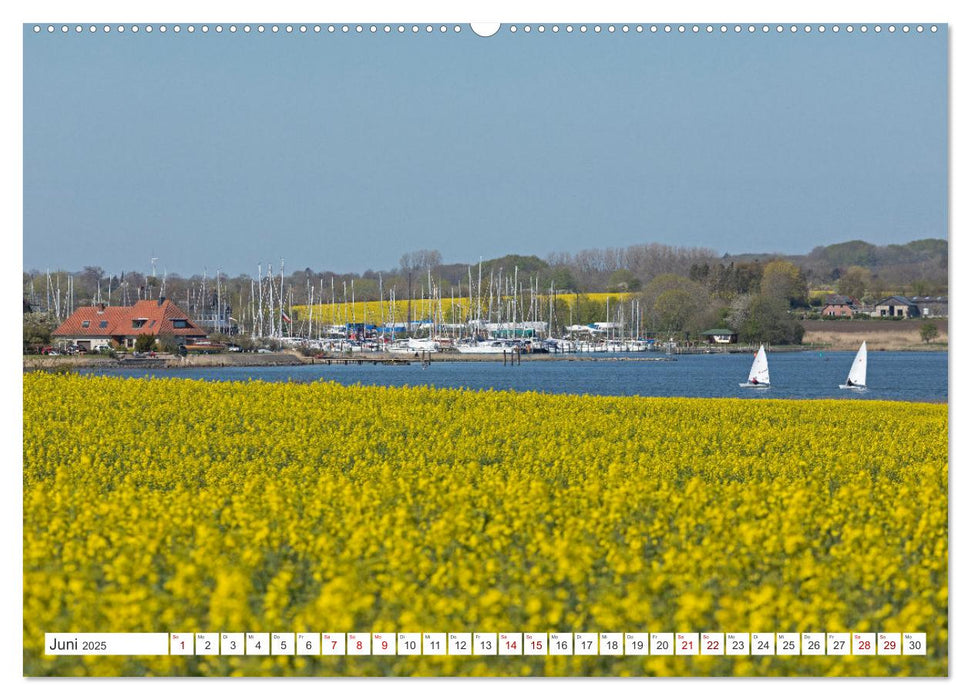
(879, 335)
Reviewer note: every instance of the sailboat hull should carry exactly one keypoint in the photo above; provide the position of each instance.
(852, 387)
(749, 385)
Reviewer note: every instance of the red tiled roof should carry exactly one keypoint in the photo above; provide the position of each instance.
(158, 315)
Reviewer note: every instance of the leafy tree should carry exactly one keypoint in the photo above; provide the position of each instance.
(855, 282)
(673, 303)
(759, 319)
(673, 310)
(37, 331)
(563, 279)
(920, 288)
(733, 280)
(525, 263)
(784, 281)
(168, 343)
(623, 281)
(699, 272)
(245, 343)
(846, 254)
(928, 331)
(587, 310)
(145, 343)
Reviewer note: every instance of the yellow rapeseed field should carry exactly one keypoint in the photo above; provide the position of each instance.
(171, 505)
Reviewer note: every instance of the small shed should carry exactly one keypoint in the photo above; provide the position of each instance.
(721, 336)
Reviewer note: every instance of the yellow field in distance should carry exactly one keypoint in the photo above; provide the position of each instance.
(375, 311)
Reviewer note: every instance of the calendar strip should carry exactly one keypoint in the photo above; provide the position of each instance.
(488, 644)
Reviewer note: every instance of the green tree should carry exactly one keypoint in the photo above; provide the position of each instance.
(145, 343)
(848, 253)
(587, 310)
(167, 343)
(562, 278)
(784, 281)
(673, 310)
(37, 332)
(759, 319)
(928, 331)
(855, 282)
(623, 281)
(674, 303)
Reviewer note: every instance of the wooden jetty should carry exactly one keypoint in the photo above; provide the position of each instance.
(358, 361)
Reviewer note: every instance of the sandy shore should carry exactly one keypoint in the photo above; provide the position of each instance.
(220, 360)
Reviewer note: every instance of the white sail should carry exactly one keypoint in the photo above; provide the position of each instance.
(857, 375)
(759, 374)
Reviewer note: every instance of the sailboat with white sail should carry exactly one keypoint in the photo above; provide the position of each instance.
(758, 376)
(857, 376)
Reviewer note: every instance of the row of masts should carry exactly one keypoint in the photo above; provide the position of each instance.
(60, 301)
(501, 302)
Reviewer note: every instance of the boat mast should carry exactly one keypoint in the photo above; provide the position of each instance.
(478, 291)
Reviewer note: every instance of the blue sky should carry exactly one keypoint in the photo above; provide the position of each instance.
(342, 152)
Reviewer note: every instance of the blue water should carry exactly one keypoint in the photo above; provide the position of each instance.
(892, 376)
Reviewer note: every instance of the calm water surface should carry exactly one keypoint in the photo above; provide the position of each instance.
(891, 376)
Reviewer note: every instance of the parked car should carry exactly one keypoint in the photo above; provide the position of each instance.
(264, 351)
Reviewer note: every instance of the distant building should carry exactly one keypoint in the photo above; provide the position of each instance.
(895, 307)
(931, 307)
(93, 327)
(840, 306)
(721, 336)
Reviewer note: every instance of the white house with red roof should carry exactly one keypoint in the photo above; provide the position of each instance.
(93, 327)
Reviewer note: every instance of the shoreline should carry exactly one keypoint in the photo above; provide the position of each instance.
(292, 359)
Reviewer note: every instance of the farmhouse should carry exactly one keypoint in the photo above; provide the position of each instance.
(840, 306)
(895, 307)
(93, 327)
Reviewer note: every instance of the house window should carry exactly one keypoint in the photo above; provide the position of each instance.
(138, 322)
(103, 324)
(180, 323)
(85, 324)
(150, 325)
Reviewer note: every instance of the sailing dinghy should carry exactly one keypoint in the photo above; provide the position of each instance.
(857, 376)
(758, 376)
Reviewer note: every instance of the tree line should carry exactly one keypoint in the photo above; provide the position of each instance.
(678, 290)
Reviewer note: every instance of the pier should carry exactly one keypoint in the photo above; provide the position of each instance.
(358, 361)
